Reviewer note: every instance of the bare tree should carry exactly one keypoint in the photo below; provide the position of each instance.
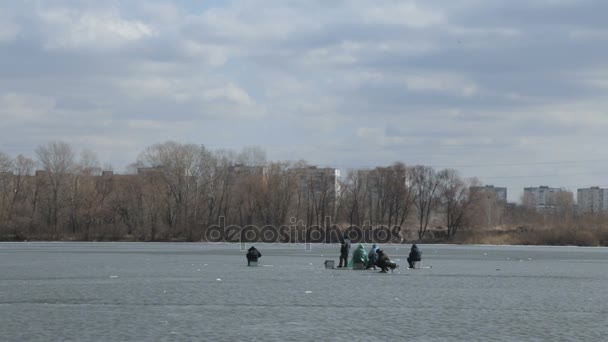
(57, 159)
(424, 186)
(453, 193)
(401, 195)
(300, 189)
(203, 175)
(5, 162)
(155, 206)
(94, 192)
(6, 180)
(89, 164)
(22, 167)
(222, 186)
(378, 195)
(275, 194)
(321, 195)
(176, 164)
(127, 202)
(355, 197)
(390, 195)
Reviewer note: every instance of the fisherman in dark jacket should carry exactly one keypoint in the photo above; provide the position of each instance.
(384, 262)
(252, 255)
(372, 257)
(415, 255)
(344, 251)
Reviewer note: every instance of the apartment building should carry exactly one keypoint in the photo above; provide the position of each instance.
(592, 200)
(541, 197)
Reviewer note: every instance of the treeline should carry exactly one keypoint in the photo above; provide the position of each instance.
(176, 191)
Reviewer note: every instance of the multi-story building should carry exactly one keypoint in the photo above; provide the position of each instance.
(542, 197)
(592, 200)
(499, 193)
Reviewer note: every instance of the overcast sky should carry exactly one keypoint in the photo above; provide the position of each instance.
(514, 92)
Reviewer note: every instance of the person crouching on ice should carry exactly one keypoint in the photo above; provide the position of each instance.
(384, 262)
(252, 255)
(415, 255)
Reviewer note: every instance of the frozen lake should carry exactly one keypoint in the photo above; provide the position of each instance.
(182, 292)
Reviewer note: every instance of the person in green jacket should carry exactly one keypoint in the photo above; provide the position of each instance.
(360, 256)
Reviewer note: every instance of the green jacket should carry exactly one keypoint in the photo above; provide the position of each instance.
(360, 255)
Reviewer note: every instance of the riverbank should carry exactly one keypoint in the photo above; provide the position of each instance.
(538, 237)
(563, 234)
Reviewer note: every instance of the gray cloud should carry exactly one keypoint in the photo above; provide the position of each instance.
(343, 83)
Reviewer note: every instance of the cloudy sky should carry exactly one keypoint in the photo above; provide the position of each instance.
(514, 92)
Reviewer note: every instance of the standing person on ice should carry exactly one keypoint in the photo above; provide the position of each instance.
(344, 251)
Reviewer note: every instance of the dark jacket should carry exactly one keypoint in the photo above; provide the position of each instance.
(345, 248)
(253, 254)
(382, 258)
(415, 254)
(384, 262)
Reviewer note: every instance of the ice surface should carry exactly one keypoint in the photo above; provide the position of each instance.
(63, 292)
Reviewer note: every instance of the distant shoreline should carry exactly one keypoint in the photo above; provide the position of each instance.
(429, 243)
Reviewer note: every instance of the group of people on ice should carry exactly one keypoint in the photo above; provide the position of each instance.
(365, 260)
(374, 258)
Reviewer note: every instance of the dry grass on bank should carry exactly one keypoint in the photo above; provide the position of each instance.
(562, 234)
